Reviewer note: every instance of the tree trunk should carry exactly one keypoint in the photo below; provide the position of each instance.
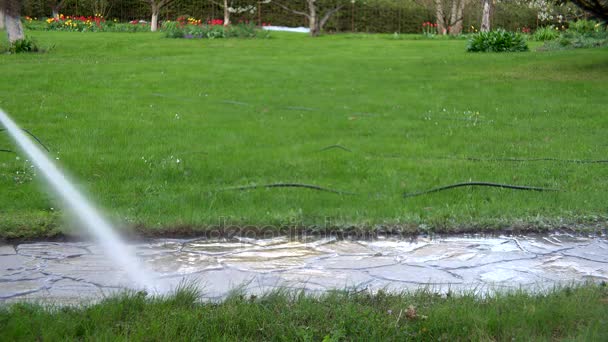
(55, 12)
(154, 21)
(441, 24)
(314, 26)
(313, 21)
(1, 18)
(226, 13)
(14, 29)
(452, 19)
(457, 17)
(485, 17)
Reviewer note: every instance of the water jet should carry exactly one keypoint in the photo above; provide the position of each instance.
(90, 218)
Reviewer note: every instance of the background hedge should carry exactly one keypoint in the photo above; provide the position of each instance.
(369, 16)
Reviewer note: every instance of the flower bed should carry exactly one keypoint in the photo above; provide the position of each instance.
(191, 28)
(76, 23)
(183, 27)
(95, 23)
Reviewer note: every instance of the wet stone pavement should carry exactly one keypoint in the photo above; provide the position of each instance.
(68, 273)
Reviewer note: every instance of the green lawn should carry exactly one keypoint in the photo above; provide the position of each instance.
(572, 314)
(120, 110)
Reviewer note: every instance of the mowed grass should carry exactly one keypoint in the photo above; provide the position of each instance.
(573, 314)
(153, 128)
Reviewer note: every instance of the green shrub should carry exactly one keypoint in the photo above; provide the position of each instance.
(23, 45)
(176, 30)
(127, 27)
(172, 30)
(497, 41)
(585, 26)
(573, 39)
(545, 33)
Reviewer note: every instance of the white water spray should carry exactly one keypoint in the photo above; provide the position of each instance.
(103, 232)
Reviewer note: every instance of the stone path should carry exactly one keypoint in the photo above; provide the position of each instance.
(79, 272)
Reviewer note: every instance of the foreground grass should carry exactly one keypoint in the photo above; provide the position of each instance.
(578, 313)
(154, 127)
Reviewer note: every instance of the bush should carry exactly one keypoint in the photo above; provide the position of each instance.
(573, 39)
(580, 34)
(175, 29)
(497, 41)
(585, 26)
(545, 33)
(23, 45)
(133, 26)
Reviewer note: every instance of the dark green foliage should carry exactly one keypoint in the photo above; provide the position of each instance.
(126, 27)
(585, 26)
(577, 313)
(580, 34)
(545, 33)
(173, 30)
(497, 41)
(24, 45)
(176, 30)
(571, 40)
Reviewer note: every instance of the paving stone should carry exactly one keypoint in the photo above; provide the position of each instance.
(346, 262)
(181, 263)
(62, 291)
(158, 247)
(20, 288)
(414, 274)
(7, 250)
(77, 272)
(11, 264)
(596, 251)
(467, 260)
(67, 292)
(323, 280)
(346, 247)
(50, 250)
(217, 248)
(270, 258)
(95, 269)
(504, 274)
(543, 245)
(264, 242)
(25, 275)
(461, 251)
(565, 269)
(395, 247)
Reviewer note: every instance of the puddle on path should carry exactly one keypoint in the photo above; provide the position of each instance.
(79, 272)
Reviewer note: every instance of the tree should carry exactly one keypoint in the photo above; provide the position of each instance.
(317, 9)
(156, 6)
(1, 18)
(451, 23)
(229, 7)
(598, 8)
(12, 20)
(485, 15)
(56, 7)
